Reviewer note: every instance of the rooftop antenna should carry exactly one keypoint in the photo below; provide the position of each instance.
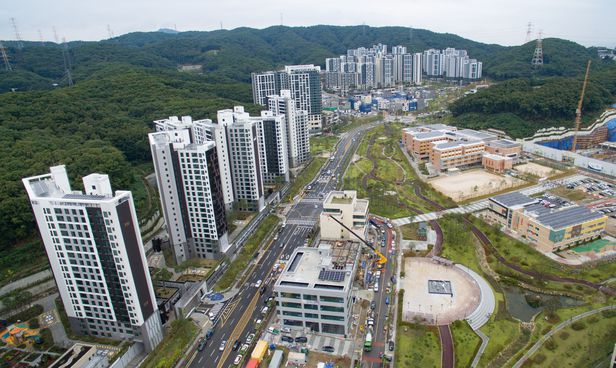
(55, 34)
(40, 34)
(5, 58)
(537, 60)
(109, 31)
(67, 63)
(529, 29)
(20, 44)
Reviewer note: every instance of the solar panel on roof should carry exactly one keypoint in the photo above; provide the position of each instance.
(331, 275)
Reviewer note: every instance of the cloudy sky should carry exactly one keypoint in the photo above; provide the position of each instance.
(589, 22)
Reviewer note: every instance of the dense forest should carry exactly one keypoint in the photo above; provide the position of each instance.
(521, 106)
(122, 84)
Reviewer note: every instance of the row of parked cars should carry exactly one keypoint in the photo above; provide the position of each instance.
(594, 186)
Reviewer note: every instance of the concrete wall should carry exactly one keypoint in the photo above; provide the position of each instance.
(578, 160)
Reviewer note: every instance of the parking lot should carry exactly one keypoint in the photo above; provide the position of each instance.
(594, 187)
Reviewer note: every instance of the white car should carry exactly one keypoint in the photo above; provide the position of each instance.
(238, 359)
(264, 310)
(370, 322)
(258, 283)
(249, 338)
(286, 330)
(376, 288)
(222, 345)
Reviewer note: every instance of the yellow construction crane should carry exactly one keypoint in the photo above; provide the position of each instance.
(578, 112)
(382, 259)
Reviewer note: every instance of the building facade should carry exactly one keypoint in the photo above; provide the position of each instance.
(298, 135)
(191, 191)
(94, 248)
(273, 153)
(348, 209)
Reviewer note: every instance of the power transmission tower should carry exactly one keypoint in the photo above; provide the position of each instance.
(5, 58)
(538, 54)
(41, 37)
(55, 34)
(109, 31)
(67, 63)
(20, 44)
(529, 29)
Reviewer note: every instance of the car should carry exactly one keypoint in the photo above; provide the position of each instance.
(387, 300)
(258, 322)
(302, 339)
(250, 338)
(273, 331)
(287, 338)
(244, 348)
(388, 358)
(268, 300)
(389, 225)
(258, 283)
(286, 330)
(376, 288)
(238, 359)
(237, 344)
(393, 279)
(370, 322)
(264, 310)
(372, 304)
(223, 343)
(391, 345)
(263, 290)
(201, 346)
(328, 349)
(209, 333)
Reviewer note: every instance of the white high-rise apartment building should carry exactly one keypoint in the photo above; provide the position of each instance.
(244, 155)
(263, 85)
(298, 137)
(417, 68)
(94, 248)
(273, 153)
(190, 187)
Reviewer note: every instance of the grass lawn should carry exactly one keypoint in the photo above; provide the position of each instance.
(322, 144)
(21, 260)
(247, 253)
(459, 242)
(582, 344)
(466, 343)
(196, 263)
(354, 122)
(571, 194)
(305, 176)
(166, 354)
(409, 232)
(417, 346)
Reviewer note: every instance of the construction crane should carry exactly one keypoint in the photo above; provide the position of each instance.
(578, 111)
(382, 259)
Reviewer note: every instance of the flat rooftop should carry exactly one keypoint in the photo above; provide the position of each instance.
(513, 199)
(567, 216)
(341, 200)
(503, 143)
(429, 135)
(455, 144)
(473, 134)
(496, 157)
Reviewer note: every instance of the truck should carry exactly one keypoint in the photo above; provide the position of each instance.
(368, 342)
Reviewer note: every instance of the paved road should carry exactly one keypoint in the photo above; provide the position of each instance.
(447, 353)
(26, 281)
(245, 309)
(559, 327)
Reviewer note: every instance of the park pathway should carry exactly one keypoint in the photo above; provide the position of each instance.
(559, 327)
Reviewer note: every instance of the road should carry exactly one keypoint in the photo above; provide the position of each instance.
(380, 332)
(245, 309)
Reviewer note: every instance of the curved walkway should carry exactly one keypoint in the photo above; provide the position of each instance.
(559, 327)
(481, 315)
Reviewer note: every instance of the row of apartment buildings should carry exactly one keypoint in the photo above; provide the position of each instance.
(376, 67)
(205, 168)
(304, 85)
(446, 147)
(549, 229)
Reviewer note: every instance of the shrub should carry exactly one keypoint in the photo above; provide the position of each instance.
(609, 313)
(539, 358)
(551, 345)
(34, 323)
(578, 325)
(27, 314)
(564, 335)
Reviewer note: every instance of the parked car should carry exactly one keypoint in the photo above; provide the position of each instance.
(238, 359)
(302, 339)
(286, 338)
(328, 349)
(250, 338)
(372, 304)
(391, 345)
(244, 348)
(209, 334)
(202, 344)
(285, 329)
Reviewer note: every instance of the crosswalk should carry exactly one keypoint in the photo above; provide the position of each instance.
(469, 208)
(312, 200)
(342, 347)
(302, 222)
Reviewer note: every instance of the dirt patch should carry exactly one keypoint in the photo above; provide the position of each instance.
(471, 184)
(537, 170)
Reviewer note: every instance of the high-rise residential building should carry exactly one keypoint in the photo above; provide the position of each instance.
(190, 187)
(417, 68)
(273, 153)
(303, 81)
(94, 247)
(244, 155)
(298, 137)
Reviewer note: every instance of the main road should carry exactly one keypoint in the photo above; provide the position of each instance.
(246, 307)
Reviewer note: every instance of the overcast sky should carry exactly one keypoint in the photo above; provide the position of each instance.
(589, 22)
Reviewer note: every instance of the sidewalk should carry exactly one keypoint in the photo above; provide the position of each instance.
(26, 281)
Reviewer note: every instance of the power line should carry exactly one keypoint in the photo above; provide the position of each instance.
(67, 63)
(529, 29)
(20, 44)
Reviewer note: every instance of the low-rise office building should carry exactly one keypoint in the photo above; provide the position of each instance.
(314, 290)
(549, 229)
(496, 163)
(348, 209)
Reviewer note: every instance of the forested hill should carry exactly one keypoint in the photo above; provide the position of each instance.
(234, 54)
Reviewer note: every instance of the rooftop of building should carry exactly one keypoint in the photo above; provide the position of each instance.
(329, 266)
(342, 200)
(496, 157)
(473, 134)
(513, 199)
(503, 143)
(340, 197)
(455, 144)
(429, 135)
(566, 216)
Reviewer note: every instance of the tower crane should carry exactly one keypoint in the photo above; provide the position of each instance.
(382, 259)
(578, 111)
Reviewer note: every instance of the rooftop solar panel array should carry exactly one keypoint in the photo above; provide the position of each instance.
(332, 275)
(568, 216)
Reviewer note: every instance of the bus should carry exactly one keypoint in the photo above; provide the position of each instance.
(368, 342)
